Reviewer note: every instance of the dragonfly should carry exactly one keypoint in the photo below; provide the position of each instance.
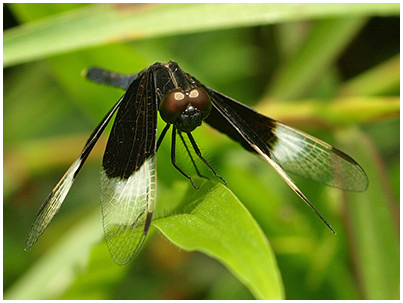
(128, 177)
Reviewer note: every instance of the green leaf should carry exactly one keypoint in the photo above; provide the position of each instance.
(100, 24)
(214, 221)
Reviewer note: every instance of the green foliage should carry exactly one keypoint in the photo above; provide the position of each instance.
(105, 23)
(297, 63)
(213, 220)
(378, 225)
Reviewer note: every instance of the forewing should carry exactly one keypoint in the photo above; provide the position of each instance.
(55, 199)
(309, 157)
(296, 151)
(247, 135)
(128, 184)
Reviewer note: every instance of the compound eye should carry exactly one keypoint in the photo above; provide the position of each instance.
(172, 105)
(201, 100)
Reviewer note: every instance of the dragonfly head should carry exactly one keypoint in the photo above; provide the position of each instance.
(185, 109)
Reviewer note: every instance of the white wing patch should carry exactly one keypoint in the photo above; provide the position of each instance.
(52, 204)
(126, 205)
(314, 159)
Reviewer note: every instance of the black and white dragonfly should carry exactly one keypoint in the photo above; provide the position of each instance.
(128, 177)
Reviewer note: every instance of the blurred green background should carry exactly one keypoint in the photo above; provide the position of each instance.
(330, 70)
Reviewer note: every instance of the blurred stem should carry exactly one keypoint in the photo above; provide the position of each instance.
(39, 156)
(342, 111)
(50, 275)
(326, 41)
(376, 81)
(372, 229)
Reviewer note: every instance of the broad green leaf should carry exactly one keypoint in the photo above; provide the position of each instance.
(214, 221)
(105, 23)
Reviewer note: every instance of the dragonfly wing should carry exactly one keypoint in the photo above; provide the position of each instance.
(128, 186)
(296, 151)
(311, 158)
(127, 208)
(255, 142)
(55, 199)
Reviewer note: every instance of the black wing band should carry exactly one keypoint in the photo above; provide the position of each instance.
(132, 138)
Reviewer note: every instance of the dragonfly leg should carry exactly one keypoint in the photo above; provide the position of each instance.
(163, 133)
(198, 153)
(190, 155)
(173, 159)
